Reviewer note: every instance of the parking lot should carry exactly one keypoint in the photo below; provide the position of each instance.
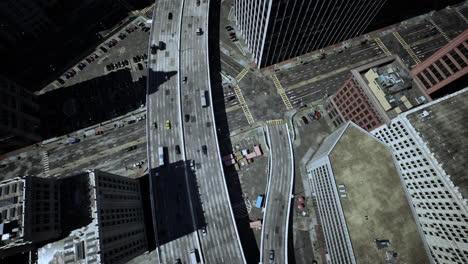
(129, 41)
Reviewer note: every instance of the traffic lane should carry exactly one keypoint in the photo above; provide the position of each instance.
(95, 143)
(218, 244)
(328, 64)
(275, 224)
(230, 66)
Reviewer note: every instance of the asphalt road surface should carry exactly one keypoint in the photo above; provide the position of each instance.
(275, 222)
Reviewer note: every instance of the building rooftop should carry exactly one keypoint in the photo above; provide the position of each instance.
(443, 126)
(375, 205)
(390, 85)
(11, 212)
(83, 228)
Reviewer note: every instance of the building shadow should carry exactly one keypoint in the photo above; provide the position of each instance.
(88, 103)
(246, 234)
(33, 57)
(156, 78)
(177, 202)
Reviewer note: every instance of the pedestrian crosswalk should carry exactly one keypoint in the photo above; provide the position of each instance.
(275, 122)
(281, 92)
(242, 74)
(383, 47)
(407, 47)
(243, 104)
(242, 209)
(45, 162)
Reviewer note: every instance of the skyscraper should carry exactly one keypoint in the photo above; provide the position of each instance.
(361, 202)
(430, 146)
(277, 30)
(19, 124)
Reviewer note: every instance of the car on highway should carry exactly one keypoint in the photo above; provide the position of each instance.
(169, 16)
(168, 124)
(73, 140)
(199, 31)
(186, 118)
(177, 149)
(98, 132)
(203, 230)
(178, 261)
(271, 256)
(154, 49)
(204, 149)
(184, 80)
(131, 148)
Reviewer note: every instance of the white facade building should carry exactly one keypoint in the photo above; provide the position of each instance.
(362, 205)
(430, 146)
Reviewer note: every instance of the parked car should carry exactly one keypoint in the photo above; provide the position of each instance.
(177, 149)
(304, 118)
(140, 66)
(98, 132)
(114, 41)
(122, 36)
(232, 36)
(81, 66)
(125, 62)
(234, 39)
(131, 122)
(229, 28)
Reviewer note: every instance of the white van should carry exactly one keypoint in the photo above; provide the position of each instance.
(194, 257)
(161, 156)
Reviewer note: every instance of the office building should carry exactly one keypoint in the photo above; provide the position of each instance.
(445, 66)
(362, 205)
(19, 124)
(278, 30)
(29, 213)
(374, 94)
(430, 144)
(104, 219)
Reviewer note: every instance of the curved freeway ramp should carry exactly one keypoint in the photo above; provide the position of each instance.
(191, 203)
(278, 199)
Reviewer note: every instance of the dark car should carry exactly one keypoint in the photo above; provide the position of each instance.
(228, 28)
(204, 149)
(145, 56)
(234, 39)
(125, 62)
(271, 256)
(81, 66)
(187, 118)
(140, 66)
(306, 121)
(232, 34)
(131, 122)
(141, 24)
(169, 16)
(131, 148)
(177, 149)
(178, 261)
(103, 49)
(122, 36)
(154, 49)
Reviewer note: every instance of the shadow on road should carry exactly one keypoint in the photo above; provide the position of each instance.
(156, 78)
(246, 234)
(172, 184)
(88, 103)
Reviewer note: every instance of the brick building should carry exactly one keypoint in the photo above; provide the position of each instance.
(445, 66)
(374, 94)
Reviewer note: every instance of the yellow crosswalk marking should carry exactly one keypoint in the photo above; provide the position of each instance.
(407, 48)
(275, 122)
(242, 74)
(243, 104)
(383, 47)
(281, 92)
